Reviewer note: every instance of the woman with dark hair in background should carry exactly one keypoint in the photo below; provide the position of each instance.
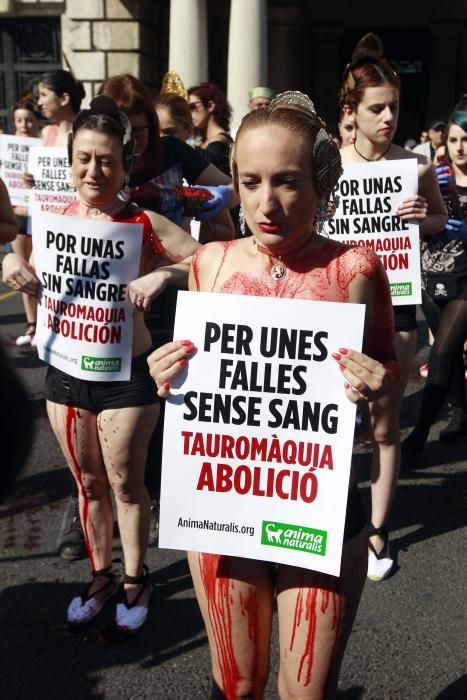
(211, 114)
(370, 94)
(444, 276)
(60, 97)
(26, 119)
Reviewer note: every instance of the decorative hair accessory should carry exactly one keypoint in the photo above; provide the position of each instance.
(241, 220)
(172, 84)
(327, 166)
(293, 99)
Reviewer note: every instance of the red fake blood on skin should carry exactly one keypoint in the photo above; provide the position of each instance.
(308, 608)
(219, 602)
(71, 439)
(249, 608)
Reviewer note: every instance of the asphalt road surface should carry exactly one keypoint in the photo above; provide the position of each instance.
(410, 637)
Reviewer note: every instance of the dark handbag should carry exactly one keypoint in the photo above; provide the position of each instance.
(443, 287)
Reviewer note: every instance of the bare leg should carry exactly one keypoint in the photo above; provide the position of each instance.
(124, 435)
(384, 417)
(235, 597)
(316, 614)
(76, 432)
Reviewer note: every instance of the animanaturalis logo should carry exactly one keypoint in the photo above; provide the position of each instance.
(305, 539)
(101, 364)
(401, 289)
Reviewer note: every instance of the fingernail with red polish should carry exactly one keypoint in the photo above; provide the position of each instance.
(336, 356)
(166, 387)
(189, 348)
(342, 368)
(344, 351)
(347, 385)
(183, 361)
(186, 342)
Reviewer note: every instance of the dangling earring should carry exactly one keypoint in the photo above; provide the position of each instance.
(325, 210)
(321, 213)
(124, 194)
(70, 184)
(241, 220)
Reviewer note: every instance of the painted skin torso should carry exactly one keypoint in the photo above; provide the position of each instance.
(325, 275)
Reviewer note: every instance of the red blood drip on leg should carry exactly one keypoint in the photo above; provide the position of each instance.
(71, 440)
(308, 609)
(220, 614)
(249, 608)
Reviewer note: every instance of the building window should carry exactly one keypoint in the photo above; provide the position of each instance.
(28, 48)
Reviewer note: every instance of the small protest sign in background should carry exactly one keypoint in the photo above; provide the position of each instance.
(369, 194)
(14, 157)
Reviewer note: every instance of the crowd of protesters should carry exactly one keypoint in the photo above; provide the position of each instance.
(129, 152)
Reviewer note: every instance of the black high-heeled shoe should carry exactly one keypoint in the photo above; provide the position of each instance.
(130, 617)
(380, 564)
(86, 607)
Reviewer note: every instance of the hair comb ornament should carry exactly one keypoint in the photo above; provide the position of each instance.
(327, 166)
(293, 99)
(172, 84)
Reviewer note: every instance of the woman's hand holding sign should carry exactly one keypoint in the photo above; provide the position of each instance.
(20, 275)
(167, 362)
(415, 207)
(367, 379)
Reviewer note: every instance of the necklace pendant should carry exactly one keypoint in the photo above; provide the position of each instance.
(278, 270)
(94, 212)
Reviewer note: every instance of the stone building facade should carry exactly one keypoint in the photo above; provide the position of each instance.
(297, 44)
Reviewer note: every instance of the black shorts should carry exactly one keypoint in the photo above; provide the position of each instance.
(139, 390)
(405, 317)
(355, 519)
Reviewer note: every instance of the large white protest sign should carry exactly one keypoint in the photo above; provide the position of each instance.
(84, 318)
(53, 189)
(258, 431)
(369, 195)
(14, 155)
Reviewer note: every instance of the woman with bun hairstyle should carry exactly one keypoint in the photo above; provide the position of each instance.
(104, 427)
(284, 163)
(60, 97)
(444, 277)
(371, 94)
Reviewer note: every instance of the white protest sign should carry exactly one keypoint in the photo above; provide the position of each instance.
(258, 431)
(53, 189)
(369, 196)
(84, 318)
(14, 155)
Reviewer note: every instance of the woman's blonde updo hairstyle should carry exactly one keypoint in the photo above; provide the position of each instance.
(295, 111)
